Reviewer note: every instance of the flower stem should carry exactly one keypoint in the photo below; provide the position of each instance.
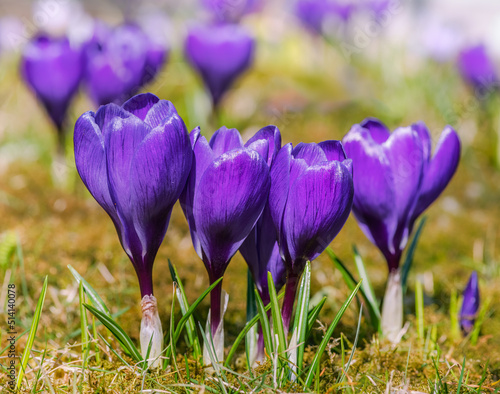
(292, 283)
(215, 307)
(392, 309)
(151, 331)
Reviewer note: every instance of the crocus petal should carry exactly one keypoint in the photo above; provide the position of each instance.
(318, 205)
(90, 161)
(140, 105)
(280, 182)
(378, 131)
(470, 304)
(311, 153)
(261, 147)
(225, 140)
(202, 157)
(227, 203)
(425, 138)
(440, 170)
(273, 136)
(333, 150)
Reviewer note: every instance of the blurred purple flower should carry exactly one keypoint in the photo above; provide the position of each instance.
(120, 61)
(224, 197)
(315, 13)
(470, 304)
(220, 53)
(231, 10)
(396, 179)
(53, 70)
(310, 199)
(477, 68)
(135, 161)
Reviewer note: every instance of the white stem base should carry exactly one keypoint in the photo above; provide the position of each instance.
(392, 309)
(151, 331)
(217, 340)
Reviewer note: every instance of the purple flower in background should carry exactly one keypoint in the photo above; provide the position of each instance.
(231, 10)
(224, 197)
(477, 69)
(470, 304)
(310, 199)
(53, 70)
(260, 249)
(220, 53)
(396, 178)
(315, 13)
(119, 62)
(135, 161)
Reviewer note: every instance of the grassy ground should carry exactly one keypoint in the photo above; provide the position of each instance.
(310, 92)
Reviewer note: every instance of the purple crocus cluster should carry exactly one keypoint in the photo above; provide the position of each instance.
(221, 50)
(113, 65)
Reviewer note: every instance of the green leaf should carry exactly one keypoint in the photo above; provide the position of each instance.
(95, 299)
(277, 319)
(313, 315)
(410, 253)
(251, 337)
(264, 322)
(366, 285)
(118, 332)
(419, 309)
(301, 315)
(184, 305)
(83, 324)
(31, 338)
(326, 338)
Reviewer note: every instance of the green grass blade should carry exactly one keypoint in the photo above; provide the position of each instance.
(118, 332)
(190, 326)
(247, 328)
(346, 366)
(8, 246)
(461, 377)
(95, 299)
(313, 315)
(251, 337)
(479, 322)
(419, 309)
(31, 338)
(405, 270)
(373, 308)
(83, 323)
(277, 319)
(301, 315)
(365, 282)
(454, 323)
(326, 338)
(264, 322)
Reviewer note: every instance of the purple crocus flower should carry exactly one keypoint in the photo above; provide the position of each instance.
(224, 197)
(396, 179)
(310, 199)
(260, 249)
(314, 13)
(231, 10)
(477, 69)
(135, 161)
(220, 53)
(119, 62)
(470, 304)
(53, 70)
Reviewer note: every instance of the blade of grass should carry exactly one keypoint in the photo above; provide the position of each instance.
(95, 299)
(251, 336)
(419, 309)
(313, 315)
(326, 338)
(301, 314)
(190, 326)
(346, 366)
(31, 337)
(366, 284)
(113, 350)
(264, 322)
(276, 315)
(20, 258)
(479, 322)
(83, 323)
(461, 377)
(410, 253)
(118, 332)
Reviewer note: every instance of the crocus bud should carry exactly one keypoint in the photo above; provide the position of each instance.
(477, 69)
(396, 179)
(310, 199)
(231, 11)
(135, 161)
(316, 14)
(224, 197)
(220, 54)
(53, 69)
(470, 304)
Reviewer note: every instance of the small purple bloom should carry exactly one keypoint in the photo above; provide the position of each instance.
(231, 10)
(220, 53)
(224, 197)
(396, 178)
(260, 249)
(470, 304)
(477, 69)
(119, 62)
(315, 13)
(135, 161)
(53, 70)
(310, 199)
